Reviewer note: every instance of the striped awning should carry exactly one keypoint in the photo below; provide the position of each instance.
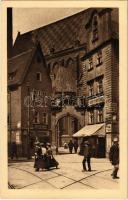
(91, 130)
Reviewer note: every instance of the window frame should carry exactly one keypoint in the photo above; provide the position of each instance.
(100, 85)
(40, 76)
(99, 59)
(90, 88)
(91, 116)
(100, 115)
(90, 64)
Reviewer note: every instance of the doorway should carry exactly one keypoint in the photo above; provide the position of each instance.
(66, 127)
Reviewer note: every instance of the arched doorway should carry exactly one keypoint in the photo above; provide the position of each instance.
(66, 127)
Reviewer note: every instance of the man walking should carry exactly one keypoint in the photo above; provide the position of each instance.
(114, 157)
(87, 156)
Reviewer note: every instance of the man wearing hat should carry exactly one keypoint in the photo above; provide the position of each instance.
(87, 156)
(114, 157)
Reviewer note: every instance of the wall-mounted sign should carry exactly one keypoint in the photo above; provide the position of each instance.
(108, 128)
(96, 100)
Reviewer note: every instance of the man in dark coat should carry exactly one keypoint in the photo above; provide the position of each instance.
(87, 156)
(75, 146)
(14, 150)
(114, 157)
(70, 146)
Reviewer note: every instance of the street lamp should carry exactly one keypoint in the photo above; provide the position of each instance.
(28, 121)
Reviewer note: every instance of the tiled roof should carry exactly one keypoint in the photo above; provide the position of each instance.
(18, 65)
(59, 35)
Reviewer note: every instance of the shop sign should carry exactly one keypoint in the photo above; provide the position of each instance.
(96, 101)
(108, 128)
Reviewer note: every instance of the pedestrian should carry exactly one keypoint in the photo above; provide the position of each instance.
(38, 157)
(75, 146)
(87, 156)
(65, 145)
(43, 149)
(114, 157)
(70, 146)
(14, 150)
(51, 162)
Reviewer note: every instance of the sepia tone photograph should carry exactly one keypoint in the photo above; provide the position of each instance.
(63, 98)
(63, 92)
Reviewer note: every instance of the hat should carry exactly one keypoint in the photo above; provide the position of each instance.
(115, 140)
(37, 143)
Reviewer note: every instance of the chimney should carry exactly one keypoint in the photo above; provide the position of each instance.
(9, 32)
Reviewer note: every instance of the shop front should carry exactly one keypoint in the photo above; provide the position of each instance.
(95, 134)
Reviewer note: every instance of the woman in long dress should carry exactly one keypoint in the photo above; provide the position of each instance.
(51, 161)
(38, 157)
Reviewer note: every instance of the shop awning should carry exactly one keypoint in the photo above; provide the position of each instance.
(91, 130)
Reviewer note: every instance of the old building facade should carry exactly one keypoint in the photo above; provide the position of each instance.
(81, 55)
(28, 83)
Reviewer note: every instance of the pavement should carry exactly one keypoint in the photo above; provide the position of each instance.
(21, 174)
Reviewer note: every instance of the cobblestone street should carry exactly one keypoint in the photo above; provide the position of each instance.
(68, 176)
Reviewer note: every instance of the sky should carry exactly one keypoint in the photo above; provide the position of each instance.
(26, 19)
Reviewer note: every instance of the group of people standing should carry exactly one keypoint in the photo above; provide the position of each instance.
(44, 158)
(73, 145)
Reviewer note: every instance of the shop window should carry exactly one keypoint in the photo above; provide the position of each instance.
(44, 118)
(90, 64)
(91, 88)
(95, 28)
(36, 117)
(100, 85)
(100, 115)
(99, 58)
(38, 76)
(91, 117)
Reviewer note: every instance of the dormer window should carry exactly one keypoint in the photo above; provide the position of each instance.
(38, 76)
(95, 28)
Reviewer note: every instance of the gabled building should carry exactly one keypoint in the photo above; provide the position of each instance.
(29, 118)
(81, 55)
